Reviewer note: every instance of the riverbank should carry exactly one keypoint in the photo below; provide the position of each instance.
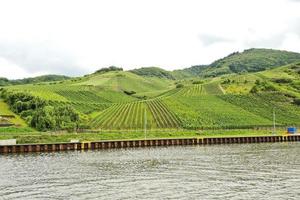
(112, 144)
(28, 136)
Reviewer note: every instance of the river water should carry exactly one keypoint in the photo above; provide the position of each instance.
(237, 171)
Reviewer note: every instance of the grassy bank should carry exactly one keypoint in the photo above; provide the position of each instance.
(47, 137)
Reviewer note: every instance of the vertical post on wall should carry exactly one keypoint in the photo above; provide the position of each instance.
(274, 121)
(145, 123)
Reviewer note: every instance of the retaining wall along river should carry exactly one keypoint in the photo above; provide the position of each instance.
(24, 148)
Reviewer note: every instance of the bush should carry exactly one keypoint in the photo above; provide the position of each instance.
(227, 81)
(39, 114)
(197, 82)
(108, 69)
(179, 85)
(282, 80)
(129, 92)
(297, 101)
(254, 89)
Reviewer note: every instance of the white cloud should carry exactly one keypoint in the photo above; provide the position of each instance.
(76, 37)
(11, 71)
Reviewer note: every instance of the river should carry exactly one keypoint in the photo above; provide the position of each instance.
(235, 171)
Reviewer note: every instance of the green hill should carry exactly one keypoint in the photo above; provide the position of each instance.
(153, 72)
(251, 60)
(34, 80)
(256, 83)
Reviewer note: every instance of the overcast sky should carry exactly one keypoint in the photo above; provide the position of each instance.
(77, 37)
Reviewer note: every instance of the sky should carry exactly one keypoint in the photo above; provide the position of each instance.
(76, 37)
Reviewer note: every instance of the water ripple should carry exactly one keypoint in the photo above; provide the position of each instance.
(238, 171)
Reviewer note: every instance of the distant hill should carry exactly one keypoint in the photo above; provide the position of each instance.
(153, 72)
(38, 79)
(189, 72)
(108, 69)
(251, 60)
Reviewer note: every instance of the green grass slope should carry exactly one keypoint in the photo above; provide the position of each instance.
(121, 81)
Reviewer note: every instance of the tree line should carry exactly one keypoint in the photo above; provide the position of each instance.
(40, 114)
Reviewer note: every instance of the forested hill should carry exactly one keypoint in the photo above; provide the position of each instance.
(38, 79)
(251, 60)
(153, 72)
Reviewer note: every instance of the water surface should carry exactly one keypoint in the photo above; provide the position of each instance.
(237, 171)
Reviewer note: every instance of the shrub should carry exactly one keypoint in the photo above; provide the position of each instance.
(129, 92)
(254, 89)
(282, 80)
(179, 85)
(297, 101)
(108, 69)
(197, 82)
(39, 113)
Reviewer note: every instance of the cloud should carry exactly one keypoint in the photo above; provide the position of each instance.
(210, 39)
(78, 37)
(39, 57)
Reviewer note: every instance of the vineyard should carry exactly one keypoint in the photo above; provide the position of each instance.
(209, 111)
(82, 96)
(153, 114)
(85, 108)
(194, 90)
(213, 89)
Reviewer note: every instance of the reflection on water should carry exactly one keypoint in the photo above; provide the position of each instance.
(237, 171)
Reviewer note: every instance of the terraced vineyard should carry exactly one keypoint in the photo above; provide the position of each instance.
(82, 107)
(82, 96)
(213, 89)
(194, 90)
(154, 114)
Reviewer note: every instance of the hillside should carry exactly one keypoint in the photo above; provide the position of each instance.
(189, 72)
(132, 100)
(153, 72)
(34, 80)
(251, 60)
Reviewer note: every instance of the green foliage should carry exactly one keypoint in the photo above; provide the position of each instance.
(296, 101)
(254, 89)
(262, 86)
(251, 60)
(129, 92)
(179, 85)
(39, 113)
(282, 80)
(4, 81)
(153, 72)
(55, 118)
(189, 72)
(108, 69)
(197, 82)
(35, 80)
